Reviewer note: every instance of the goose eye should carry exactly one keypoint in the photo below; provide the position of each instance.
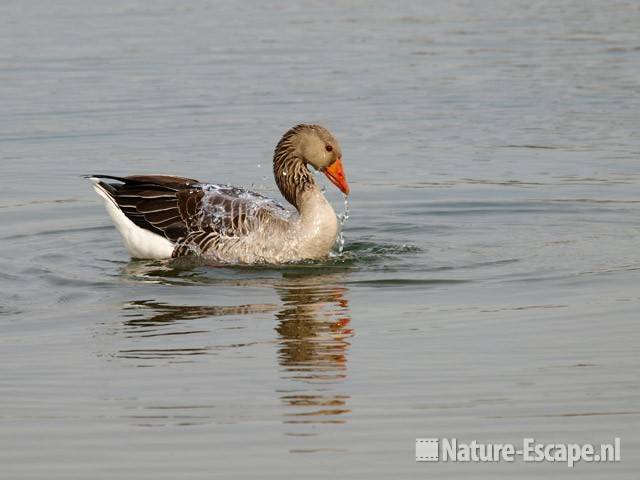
(328, 148)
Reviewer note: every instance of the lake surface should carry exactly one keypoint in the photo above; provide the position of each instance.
(489, 285)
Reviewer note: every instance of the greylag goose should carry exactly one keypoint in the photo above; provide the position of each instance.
(162, 216)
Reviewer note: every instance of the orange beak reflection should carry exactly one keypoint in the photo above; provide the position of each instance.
(335, 173)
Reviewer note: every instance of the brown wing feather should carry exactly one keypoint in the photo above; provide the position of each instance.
(193, 215)
(150, 201)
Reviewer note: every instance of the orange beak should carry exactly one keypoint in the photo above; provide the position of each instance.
(335, 173)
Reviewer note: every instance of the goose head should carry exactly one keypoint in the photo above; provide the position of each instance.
(321, 150)
(307, 146)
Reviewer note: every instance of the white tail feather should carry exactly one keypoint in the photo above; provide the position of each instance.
(140, 243)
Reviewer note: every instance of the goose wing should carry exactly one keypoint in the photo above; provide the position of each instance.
(195, 216)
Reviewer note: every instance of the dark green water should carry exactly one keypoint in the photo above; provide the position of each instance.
(489, 287)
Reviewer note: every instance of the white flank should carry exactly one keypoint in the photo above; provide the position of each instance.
(140, 243)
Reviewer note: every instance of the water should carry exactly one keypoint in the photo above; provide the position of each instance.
(342, 219)
(488, 287)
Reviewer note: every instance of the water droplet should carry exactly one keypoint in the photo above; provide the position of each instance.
(342, 218)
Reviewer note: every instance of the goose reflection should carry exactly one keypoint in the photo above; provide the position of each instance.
(170, 320)
(313, 325)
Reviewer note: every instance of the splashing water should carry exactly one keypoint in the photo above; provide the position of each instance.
(342, 218)
(222, 205)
